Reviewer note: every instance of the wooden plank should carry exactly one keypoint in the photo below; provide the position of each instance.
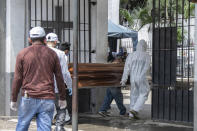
(96, 74)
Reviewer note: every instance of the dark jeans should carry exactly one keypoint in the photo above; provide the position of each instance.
(116, 94)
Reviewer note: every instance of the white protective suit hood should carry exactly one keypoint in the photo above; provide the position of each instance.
(141, 46)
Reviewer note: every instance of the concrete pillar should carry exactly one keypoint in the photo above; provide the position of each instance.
(195, 72)
(11, 42)
(2, 54)
(99, 43)
(100, 30)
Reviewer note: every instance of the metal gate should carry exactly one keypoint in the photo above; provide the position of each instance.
(57, 16)
(173, 60)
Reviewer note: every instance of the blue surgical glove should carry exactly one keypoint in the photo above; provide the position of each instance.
(70, 91)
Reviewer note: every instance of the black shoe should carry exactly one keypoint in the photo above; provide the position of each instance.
(104, 113)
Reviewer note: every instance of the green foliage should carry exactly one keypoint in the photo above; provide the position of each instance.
(127, 16)
(139, 16)
(166, 13)
(179, 35)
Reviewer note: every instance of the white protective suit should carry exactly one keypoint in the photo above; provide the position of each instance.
(137, 64)
(64, 67)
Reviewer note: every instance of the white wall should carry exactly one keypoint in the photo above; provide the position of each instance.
(14, 31)
(113, 10)
(14, 43)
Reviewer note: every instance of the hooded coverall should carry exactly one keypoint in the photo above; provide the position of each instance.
(137, 64)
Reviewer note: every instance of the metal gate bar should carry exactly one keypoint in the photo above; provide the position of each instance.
(172, 77)
(55, 16)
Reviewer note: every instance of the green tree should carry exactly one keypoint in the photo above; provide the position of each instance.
(141, 15)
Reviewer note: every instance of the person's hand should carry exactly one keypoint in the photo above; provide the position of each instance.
(62, 104)
(13, 106)
(70, 91)
(122, 83)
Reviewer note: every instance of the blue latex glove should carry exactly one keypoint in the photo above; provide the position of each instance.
(70, 91)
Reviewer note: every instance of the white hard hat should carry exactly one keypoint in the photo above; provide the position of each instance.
(37, 32)
(52, 37)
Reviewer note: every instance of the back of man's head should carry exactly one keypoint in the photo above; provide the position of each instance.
(65, 46)
(37, 34)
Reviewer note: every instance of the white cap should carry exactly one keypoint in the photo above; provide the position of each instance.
(52, 37)
(37, 32)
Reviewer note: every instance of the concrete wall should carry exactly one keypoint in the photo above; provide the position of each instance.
(2, 54)
(11, 42)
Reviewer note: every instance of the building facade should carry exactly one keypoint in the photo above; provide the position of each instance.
(18, 16)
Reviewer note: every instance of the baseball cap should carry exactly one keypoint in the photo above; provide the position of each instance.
(37, 32)
(52, 37)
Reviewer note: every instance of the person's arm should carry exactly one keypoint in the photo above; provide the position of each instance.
(126, 70)
(59, 80)
(68, 78)
(66, 73)
(18, 78)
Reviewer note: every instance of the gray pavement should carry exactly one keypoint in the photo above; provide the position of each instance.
(94, 122)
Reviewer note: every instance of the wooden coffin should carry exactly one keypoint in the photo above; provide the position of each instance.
(96, 74)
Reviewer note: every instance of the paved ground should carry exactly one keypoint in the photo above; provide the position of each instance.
(94, 122)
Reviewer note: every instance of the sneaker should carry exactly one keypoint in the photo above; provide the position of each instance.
(131, 118)
(135, 114)
(104, 113)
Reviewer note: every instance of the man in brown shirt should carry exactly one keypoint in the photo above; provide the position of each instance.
(34, 74)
